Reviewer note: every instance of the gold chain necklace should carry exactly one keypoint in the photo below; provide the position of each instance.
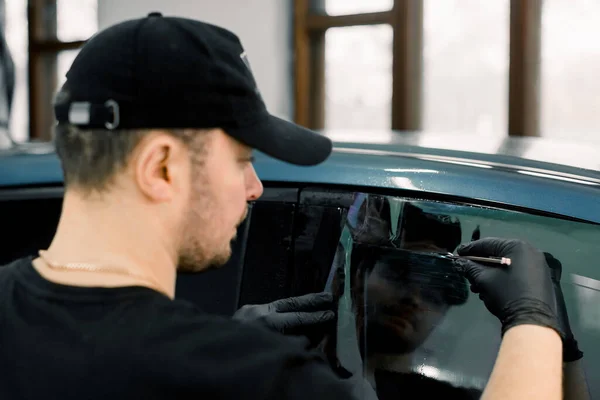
(96, 268)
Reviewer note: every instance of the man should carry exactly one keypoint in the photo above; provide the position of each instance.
(156, 123)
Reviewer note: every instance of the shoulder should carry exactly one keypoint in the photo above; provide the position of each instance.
(9, 270)
(19, 262)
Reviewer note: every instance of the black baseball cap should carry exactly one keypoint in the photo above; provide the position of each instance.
(172, 72)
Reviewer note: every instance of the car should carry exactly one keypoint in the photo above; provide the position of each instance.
(410, 194)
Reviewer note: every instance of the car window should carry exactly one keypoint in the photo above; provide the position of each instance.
(406, 318)
(268, 259)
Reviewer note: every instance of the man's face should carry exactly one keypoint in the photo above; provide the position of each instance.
(223, 180)
(405, 302)
(403, 308)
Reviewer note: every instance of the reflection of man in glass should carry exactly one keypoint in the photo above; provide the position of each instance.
(405, 295)
(400, 296)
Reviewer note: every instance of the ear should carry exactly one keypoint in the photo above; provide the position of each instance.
(161, 167)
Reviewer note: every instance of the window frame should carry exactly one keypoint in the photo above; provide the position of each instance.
(406, 18)
(44, 47)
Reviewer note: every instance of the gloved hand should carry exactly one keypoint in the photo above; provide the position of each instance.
(571, 350)
(294, 315)
(521, 293)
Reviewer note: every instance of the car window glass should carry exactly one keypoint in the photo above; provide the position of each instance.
(268, 254)
(406, 317)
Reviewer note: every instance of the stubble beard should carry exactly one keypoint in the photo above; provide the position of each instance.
(199, 251)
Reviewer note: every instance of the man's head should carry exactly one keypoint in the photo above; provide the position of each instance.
(162, 114)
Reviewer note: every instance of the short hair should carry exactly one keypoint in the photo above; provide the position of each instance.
(90, 159)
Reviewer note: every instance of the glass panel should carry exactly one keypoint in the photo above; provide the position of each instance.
(268, 256)
(358, 77)
(466, 45)
(570, 63)
(77, 19)
(344, 7)
(16, 37)
(64, 61)
(408, 319)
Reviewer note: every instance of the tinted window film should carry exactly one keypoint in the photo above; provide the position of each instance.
(317, 231)
(268, 267)
(407, 319)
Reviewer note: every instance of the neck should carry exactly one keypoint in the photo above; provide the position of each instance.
(396, 363)
(122, 235)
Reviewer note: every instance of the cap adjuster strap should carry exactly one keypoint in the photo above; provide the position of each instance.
(79, 113)
(114, 106)
(86, 113)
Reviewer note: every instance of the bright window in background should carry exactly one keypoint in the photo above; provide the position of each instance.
(345, 7)
(466, 58)
(16, 37)
(358, 77)
(76, 20)
(570, 80)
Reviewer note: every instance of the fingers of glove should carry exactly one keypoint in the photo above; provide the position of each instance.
(250, 311)
(471, 269)
(299, 319)
(487, 247)
(308, 302)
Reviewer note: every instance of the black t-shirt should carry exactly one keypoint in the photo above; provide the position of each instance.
(66, 342)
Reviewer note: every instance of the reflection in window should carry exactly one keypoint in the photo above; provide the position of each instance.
(341, 7)
(570, 62)
(401, 292)
(358, 77)
(465, 76)
(406, 317)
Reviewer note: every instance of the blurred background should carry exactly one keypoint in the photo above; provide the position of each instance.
(486, 68)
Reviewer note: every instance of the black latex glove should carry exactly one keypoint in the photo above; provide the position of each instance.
(302, 315)
(521, 293)
(571, 350)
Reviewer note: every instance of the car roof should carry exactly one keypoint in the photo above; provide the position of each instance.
(534, 174)
(518, 150)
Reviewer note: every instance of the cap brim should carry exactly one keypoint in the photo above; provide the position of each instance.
(285, 141)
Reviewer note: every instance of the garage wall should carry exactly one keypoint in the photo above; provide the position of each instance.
(264, 26)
